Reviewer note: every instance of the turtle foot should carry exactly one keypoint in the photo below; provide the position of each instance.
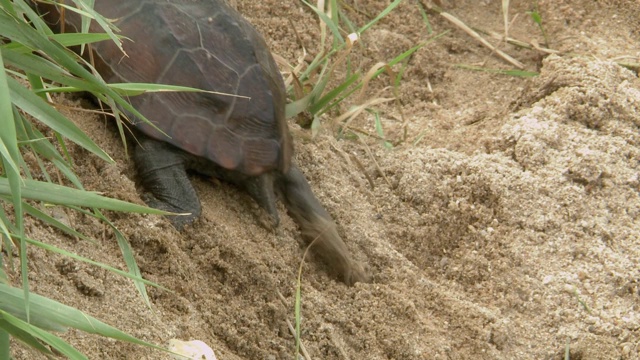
(162, 172)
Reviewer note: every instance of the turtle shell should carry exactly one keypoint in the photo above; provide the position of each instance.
(208, 45)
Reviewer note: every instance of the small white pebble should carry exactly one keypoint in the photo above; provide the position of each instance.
(193, 350)
(547, 279)
(353, 38)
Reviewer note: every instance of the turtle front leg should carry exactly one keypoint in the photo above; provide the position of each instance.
(162, 170)
(318, 227)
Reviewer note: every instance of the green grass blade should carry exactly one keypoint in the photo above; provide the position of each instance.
(62, 195)
(7, 228)
(20, 32)
(21, 335)
(132, 89)
(308, 100)
(17, 30)
(393, 62)
(330, 24)
(12, 301)
(68, 172)
(6, 4)
(380, 128)
(36, 65)
(47, 219)
(61, 66)
(294, 108)
(3, 275)
(129, 89)
(9, 141)
(297, 311)
(95, 263)
(38, 108)
(334, 8)
(86, 9)
(122, 242)
(4, 151)
(75, 39)
(132, 265)
(382, 14)
(331, 95)
(425, 18)
(63, 147)
(36, 84)
(66, 40)
(345, 19)
(61, 315)
(129, 259)
(536, 17)
(320, 60)
(44, 150)
(35, 332)
(4, 340)
(30, 13)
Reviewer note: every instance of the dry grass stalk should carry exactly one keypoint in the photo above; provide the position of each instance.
(484, 42)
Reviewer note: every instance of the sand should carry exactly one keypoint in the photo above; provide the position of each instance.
(505, 224)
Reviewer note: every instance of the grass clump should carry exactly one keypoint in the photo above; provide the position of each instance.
(31, 53)
(318, 89)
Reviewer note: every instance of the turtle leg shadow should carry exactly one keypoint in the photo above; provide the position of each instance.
(162, 171)
(318, 227)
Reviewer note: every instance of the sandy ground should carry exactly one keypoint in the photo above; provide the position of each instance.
(505, 226)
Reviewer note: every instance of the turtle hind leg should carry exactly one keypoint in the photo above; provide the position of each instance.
(262, 191)
(161, 167)
(318, 227)
(260, 188)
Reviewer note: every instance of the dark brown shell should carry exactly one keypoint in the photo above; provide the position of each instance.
(203, 44)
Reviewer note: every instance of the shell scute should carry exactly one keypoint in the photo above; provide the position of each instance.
(205, 45)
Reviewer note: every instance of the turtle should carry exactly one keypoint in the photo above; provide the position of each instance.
(243, 140)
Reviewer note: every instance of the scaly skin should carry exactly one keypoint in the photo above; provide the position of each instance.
(163, 169)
